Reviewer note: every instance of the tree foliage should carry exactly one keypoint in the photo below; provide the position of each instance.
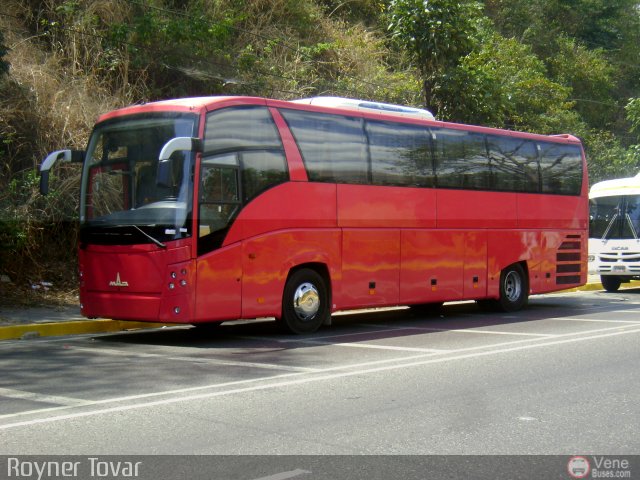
(633, 112)
(504, 84)
(546, 66)
(438, 34)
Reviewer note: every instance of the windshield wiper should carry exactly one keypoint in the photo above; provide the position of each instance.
(154, 240)
(611, 223)
(631, 226)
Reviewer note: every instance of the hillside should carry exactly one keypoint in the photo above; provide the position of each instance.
(519, 64)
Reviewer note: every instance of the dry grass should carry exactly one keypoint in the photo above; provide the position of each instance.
(49, 104)
(60, 82)
(26, 297)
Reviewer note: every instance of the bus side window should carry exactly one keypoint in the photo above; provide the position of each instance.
(261, 170)
(462, 160)
(333, 147)
(560, 169)
(400, 154)
(514, 162)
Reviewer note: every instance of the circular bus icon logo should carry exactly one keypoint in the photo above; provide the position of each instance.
(578, 467)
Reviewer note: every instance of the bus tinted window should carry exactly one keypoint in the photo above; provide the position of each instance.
(261, 170)
(560, 169)
(400, 154)
(239, 128)
(514, 163)
(462, 160)
(332, 146)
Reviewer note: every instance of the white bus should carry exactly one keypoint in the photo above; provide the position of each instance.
(614, 231)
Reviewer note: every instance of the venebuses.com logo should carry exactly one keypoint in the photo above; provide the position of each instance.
(598, 467)
(578, 467)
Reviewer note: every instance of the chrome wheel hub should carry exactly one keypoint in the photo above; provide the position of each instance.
(306, 301)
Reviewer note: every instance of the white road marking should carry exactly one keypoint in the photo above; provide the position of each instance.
(386, 347)
(366, 345)
(478, 330)
(311, 377)
(633, 322)
(326, 337)
(38, 397)
(142, 396)
(285, 475)
(194, 359)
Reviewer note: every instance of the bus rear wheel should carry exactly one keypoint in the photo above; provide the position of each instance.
(610, 283)
(305, 302)
(514, 291)
(514, 288)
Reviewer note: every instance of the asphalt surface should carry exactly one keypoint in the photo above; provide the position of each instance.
(557, 378)
(388, 393)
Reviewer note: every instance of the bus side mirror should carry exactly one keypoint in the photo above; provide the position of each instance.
(187, 144)
(76, 156)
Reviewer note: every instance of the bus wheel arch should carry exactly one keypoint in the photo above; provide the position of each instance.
(306, 299)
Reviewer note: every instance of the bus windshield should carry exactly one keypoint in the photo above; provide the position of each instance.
(125, 197)
(615, 217)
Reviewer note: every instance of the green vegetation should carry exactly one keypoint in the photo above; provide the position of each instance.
(547, 66)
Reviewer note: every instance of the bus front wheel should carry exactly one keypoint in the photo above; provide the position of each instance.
(305, 302)
(610, 283)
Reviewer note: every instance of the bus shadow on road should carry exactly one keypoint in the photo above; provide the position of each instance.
(375, 324)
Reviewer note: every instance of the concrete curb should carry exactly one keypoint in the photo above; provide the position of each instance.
(589, 287)
(83, 327)
(56, 329)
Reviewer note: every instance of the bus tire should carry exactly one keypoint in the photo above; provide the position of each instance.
(305, 302)
(610, 283)
(514, 288)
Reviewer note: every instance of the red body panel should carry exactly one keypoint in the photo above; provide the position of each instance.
(370, 268)
(219, 284)
(286, 206)
(552, 212)
(367, 206)
(470, 209)
(432, 266)
(378, 245)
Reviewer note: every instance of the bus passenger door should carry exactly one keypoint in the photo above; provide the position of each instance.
(218, 294)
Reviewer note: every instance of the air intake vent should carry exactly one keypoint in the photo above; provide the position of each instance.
(569, 261)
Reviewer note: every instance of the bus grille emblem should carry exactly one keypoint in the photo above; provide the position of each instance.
(118, 282)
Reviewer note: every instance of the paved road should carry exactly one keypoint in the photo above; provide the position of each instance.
(560, 377)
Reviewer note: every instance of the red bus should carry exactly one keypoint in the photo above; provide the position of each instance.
(202, 210)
